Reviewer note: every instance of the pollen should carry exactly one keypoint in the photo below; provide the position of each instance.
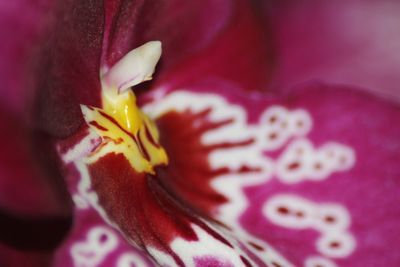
(121, 125)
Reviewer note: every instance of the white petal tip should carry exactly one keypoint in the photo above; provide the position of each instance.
(135, 67)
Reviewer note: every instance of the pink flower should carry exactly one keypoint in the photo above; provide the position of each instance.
(248, 162)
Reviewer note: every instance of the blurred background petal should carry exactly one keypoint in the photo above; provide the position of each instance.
(35, 209)
(349, 42)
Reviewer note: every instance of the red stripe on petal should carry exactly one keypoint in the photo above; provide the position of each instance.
(189, 173)
(141, 207)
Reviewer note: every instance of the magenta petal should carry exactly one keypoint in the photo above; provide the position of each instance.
(349, 42)
(328, 195)
(368, 190)
(21, 35)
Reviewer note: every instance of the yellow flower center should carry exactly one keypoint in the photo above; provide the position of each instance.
(122, 126)
(125, 129)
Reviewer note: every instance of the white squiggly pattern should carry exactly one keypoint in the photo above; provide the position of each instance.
(331, 220)
(130, 259)
(80, 202)
(276, 127)
(90, 253)
(231, 158)
(317, 261)
(301, 161)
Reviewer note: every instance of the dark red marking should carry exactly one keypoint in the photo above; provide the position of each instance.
(138, 141)
(229, 145)
(293, 166)
(245, 261)
(283, 210)
(300, 124)
(98, 126)
(188, 175)
(273, 136)
(142, 148)
(247, 169)
(111, 119)
(318, 166)
(334, 244)
(254, 245)
(149, 136)
(275, 264)
(330, 219)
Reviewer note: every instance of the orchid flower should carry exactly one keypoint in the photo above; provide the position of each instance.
(177, 133)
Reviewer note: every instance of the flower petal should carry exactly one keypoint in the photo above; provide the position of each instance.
(92, 242)
(318, 150)
(347, 42)
(346, 212)
(149, 217)
(22, 35)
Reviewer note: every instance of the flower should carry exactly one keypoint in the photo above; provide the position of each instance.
(225, 176)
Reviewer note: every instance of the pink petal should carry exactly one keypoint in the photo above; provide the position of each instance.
(347, 42)
(368, 190)
(354, 200)
(21, 35)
